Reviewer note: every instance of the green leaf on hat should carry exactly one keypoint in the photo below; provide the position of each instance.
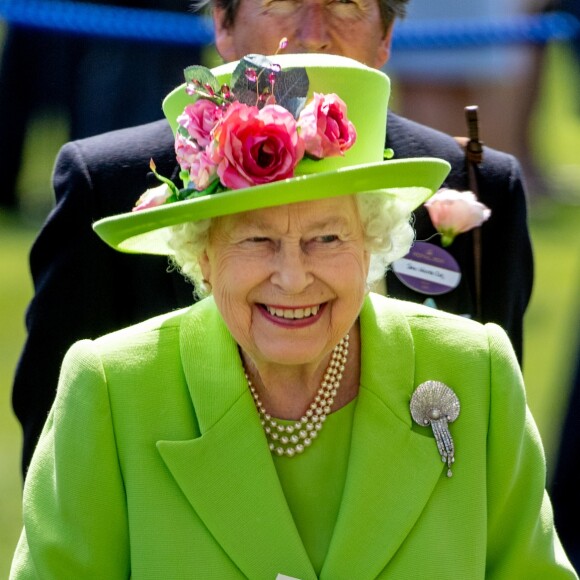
(291, 89)
(203, 75)
(172, 187)
(247, 90)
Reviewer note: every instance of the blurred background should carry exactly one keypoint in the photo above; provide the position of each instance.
(528, 91)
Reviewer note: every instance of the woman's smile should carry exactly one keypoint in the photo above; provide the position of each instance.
(292, 317)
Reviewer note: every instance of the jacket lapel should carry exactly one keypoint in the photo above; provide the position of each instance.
(227, 473)
(234, 488)
(392, 470)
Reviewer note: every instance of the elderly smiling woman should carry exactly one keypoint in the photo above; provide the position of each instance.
(291, 424)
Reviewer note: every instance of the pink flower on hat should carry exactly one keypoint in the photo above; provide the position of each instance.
(202, 170)
(186, 151)
(153, 197)
(454, 212)
(199, 119)
(325, 128)
(254, 146)
(245, 133)
(195, 161)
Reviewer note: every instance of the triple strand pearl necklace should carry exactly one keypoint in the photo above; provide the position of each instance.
(290, 440)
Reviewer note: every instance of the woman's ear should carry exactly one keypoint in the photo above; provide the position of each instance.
(205, 266)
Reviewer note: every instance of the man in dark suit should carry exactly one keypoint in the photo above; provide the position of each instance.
(85, 289)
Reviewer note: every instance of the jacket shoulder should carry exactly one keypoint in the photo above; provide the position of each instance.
(121, 147)
(450, 348)
(109, 171)
(410, 139)
(139, 335)
(419, 316)
(136, 345)
(440, 331)
(201, 317)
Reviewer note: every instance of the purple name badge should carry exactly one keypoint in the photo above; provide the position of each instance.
(428, 269)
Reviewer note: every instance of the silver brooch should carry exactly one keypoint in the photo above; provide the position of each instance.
(434, 403)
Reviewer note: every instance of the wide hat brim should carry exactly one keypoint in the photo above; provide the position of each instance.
(365, 92)
(410, 181)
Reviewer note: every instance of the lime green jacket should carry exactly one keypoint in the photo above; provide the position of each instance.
(153, 463)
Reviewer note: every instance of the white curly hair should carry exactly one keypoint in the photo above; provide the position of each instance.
(386, 224)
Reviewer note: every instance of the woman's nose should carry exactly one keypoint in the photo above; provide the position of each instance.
(291, 272)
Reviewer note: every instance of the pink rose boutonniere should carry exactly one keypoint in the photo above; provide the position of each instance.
(252, 132)
(454, 212)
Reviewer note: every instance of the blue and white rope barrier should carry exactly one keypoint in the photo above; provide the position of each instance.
(109, 21)
(532, 29)
(189, 29)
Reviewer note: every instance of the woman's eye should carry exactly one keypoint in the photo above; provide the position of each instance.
(343, 2)
(327, 239)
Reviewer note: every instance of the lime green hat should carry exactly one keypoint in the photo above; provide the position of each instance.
(329, 158)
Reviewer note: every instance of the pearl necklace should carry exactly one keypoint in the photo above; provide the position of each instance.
(290, 440)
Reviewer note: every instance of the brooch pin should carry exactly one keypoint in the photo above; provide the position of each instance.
(434, 403)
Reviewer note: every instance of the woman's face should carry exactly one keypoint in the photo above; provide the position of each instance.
(289, 281)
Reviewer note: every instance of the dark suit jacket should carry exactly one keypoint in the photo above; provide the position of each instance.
(85, 289)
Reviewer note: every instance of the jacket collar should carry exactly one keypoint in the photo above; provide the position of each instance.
(227, 473)
(229, 478)
(392, 470)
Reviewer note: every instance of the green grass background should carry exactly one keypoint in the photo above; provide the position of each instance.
(551, 322)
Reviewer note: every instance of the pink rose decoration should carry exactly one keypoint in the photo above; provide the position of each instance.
(253, 147)
(454, 212)
(325, 128)
(202, 171)
(197, 162)
(186, 151)
(199, 120)
(153, 197)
